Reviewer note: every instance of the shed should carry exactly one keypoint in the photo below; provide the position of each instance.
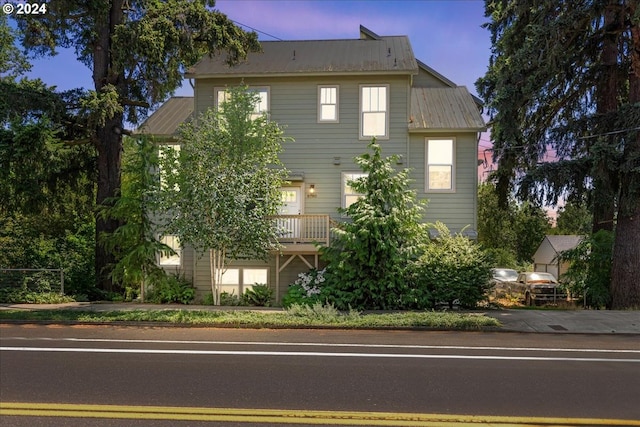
(546, 257)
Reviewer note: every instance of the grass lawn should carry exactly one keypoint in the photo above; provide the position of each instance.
(296, 317)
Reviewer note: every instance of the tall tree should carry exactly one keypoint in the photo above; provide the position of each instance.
(137, 51)
(224, 183)
(370, 255)
(561, 81)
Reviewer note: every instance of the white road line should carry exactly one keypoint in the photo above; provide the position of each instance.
(311, 354)
(312, 344)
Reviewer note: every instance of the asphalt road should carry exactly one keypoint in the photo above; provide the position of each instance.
(353, 375)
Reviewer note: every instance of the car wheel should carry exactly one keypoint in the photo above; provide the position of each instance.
(528, 300)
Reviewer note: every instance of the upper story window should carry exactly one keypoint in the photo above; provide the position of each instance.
(374, 111)
(328, 104)
(174, 243)
(261, 107)
(349, 195)
(440, 164)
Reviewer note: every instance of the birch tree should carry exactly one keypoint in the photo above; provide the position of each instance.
(223, 184)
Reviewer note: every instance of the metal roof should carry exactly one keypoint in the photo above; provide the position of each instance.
(389, 55)
(563, 242)
(445, 109)
(164, 122)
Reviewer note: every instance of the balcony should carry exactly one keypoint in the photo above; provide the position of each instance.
(301, 233)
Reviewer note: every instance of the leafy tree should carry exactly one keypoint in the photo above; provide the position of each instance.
(574, 218)
(370, 254)
(589, 272)
(564, 77)
(224, 183)
(137, 51)
(135, 242)
(516, 230)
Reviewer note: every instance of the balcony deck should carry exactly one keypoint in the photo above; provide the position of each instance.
(301, 233)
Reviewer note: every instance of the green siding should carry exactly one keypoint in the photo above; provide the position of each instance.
(293, 104)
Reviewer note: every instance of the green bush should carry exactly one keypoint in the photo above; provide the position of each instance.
(260, 295)
(23, 295)
(589, 272)
(172, 289)
(227, 299)
(306, 290)
(453, 268)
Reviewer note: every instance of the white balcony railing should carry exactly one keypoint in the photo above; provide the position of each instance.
(299, 229)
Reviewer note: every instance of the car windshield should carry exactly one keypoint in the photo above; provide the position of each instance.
(504, 274)
(541, 277)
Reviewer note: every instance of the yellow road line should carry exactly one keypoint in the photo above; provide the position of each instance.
(279, 416)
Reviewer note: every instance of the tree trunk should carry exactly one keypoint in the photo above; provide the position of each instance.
(606, 104)
(108, 141)
(625, 277)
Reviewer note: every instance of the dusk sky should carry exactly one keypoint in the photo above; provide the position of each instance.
(446, 34)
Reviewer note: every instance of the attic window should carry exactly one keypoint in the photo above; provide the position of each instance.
(328, 104)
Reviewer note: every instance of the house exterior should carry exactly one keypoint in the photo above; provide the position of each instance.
(546, 256)
(333, 97)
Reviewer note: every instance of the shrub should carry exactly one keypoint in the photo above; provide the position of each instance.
(452, 268)
(227, 299)
(589, 272)
(260, 295)
(172, 289)
(306, 290)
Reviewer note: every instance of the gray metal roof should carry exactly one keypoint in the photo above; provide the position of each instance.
(564, 242)
(311, 57)
(451, 108)
(164, 122)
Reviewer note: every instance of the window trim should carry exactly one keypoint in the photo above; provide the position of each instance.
(427, 189)
(256, 88)
(320, 104)
(343, 183)
(178, 250)
(241, 285)
(361, 135)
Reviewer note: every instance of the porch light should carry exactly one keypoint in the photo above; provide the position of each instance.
(312, 191)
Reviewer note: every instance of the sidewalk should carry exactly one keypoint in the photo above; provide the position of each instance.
(541, 321)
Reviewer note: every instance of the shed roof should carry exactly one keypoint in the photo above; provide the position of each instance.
(312, 57)
(164, 122)
(442, 109)
(561, 243)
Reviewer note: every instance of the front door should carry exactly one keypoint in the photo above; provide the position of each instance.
(291, 205)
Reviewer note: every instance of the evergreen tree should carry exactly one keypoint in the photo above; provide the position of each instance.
(370, 254)
(137, 51)
(564, 78)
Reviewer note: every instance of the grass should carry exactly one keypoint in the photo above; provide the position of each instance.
(297, 317)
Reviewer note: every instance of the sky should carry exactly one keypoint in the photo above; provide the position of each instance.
(447, 35)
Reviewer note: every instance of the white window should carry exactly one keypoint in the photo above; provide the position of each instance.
(174, 243)
(440, 161)
(164, 151)
(237, 280)
(349, 195)
(374, 109)
(261, 107)
(328, 104)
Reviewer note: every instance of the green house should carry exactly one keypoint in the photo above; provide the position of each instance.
(333, 96)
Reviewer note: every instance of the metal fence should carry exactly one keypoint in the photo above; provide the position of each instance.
(35, 279)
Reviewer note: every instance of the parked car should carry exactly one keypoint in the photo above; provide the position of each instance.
(502, 280)
(538, 286)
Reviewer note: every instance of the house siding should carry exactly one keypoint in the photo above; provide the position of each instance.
(293, 103)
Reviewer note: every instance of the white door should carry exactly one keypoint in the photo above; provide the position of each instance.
(291, 205)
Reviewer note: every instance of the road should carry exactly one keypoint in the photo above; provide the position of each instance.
(149, 375)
